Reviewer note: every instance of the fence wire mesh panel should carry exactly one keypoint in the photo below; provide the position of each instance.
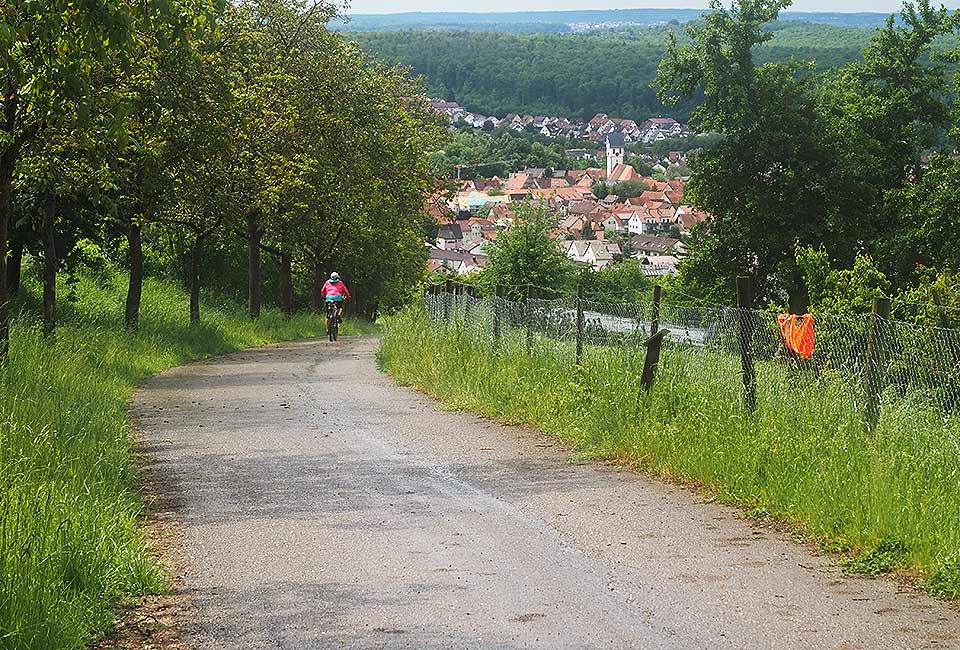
(822, 364)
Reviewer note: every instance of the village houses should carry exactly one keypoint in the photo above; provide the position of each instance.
(595, 129)
(592, 232)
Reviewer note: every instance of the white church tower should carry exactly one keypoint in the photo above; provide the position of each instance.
(615, 147)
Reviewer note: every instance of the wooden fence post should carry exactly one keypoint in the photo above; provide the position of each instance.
(579, 323)
(655, 310)
(873, 382)
(745, 335)
(942, 317)
(652, 360)
(495, 316)
(468, 299)
(528, 317)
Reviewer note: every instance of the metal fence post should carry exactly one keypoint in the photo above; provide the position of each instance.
(579, 323)
(873, 383)
(745, 336)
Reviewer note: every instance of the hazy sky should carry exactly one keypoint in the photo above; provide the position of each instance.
(390, 6)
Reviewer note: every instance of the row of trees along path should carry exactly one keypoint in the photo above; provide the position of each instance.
(155, 130)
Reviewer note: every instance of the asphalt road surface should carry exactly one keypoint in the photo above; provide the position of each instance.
(324, 507)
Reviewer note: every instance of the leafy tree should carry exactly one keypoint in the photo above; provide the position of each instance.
(840, 290)
(586, 231)
(60, 187)
(802, 157)
(629, 189)
(932, 300)
(927, 214)
(621, 282)
(643, 167)
(526, 255)
(151, 93)
(481, 154)
(49, 52)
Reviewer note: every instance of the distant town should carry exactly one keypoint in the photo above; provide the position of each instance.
(596, 129)
(595, 231)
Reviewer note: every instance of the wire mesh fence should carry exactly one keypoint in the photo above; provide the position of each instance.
(860, 362)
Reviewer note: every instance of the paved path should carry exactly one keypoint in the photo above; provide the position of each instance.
(324, 507)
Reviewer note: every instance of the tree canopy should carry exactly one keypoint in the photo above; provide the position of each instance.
(806, 157)
(527, 256)
(190, 137)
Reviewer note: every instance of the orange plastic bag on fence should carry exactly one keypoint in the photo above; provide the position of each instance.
(797, 333)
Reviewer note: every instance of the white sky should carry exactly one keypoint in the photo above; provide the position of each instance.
(393, 6)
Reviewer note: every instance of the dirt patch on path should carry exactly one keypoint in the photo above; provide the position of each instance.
(158, 622)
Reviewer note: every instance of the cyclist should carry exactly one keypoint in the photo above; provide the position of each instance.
(334, 290)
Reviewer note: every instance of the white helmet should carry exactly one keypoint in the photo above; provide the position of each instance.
(335, 276)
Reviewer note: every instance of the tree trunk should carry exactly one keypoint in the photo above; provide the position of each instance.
(286, 283)
(196, 259)
(135, 284)
(798, 300)
(319, 278)
(253, 263)
(49, 264)
(14, 265)
(7, 163)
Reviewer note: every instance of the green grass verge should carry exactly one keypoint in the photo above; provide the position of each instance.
(71, 534)
(891, 495)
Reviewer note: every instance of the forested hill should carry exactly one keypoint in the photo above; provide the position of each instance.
(575, 75)
(570, 21)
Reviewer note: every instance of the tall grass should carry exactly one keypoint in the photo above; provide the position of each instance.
(71, 538)
(892, 494)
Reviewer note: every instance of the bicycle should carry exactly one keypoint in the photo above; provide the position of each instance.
(333, 320)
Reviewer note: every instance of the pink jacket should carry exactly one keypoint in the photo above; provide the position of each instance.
(335, 290)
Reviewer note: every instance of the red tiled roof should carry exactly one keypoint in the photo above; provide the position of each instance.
(624, 172)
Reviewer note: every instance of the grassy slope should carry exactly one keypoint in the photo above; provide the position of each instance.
(71, 542)
(891, 495)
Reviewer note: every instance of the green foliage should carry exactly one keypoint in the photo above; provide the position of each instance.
(924, 217)
(526, 255)
(501, 152)
(945, 582)
(586, 231)
(175, 133)
(498, 73)
(629, 189)
(885, 557)
(801, 456)
(627, 21)
(933, 300)
(73, 543)
(840, 290)
(805, 157)
(575, 75)
(619, 283)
